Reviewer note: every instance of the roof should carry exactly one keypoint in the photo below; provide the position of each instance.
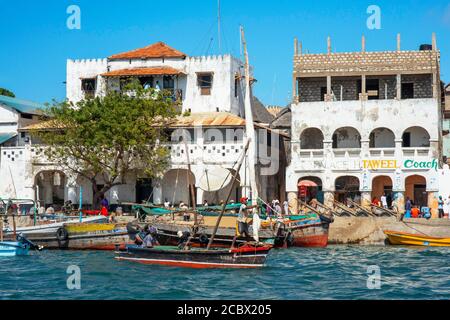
(22, 106)
(274, 110)
(43, 125)
(260, 113)
(211, 119)
(6, 136)
(156, 50)
(283, 119)
(143, 72)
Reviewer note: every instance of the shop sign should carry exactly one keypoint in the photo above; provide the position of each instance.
(396, 164)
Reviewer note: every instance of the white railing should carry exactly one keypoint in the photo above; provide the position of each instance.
(382, 152)
(311, 154)
(416, 152)
(347, 153)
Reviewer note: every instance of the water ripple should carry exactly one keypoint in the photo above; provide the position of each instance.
(337, 272)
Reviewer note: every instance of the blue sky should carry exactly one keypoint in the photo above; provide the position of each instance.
(35, 41)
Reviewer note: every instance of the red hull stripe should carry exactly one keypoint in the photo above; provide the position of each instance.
(190, 264)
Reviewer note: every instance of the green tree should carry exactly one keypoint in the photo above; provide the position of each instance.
(111, 136)
(6, 92)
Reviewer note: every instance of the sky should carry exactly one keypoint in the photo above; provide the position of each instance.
(35, 41)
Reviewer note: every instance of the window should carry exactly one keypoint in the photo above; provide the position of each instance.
(204, 81)
(407, 90)
(373, 89)
(168, 83)
(26, 116)
(406, 139)
(88, 86)
(146, 82)
(236, 87)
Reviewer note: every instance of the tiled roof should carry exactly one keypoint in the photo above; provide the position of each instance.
(156, 50)
(43, 125)
(212, 119)
(22, 106)
(143, 72)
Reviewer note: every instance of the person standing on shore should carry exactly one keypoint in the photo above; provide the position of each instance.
(447, 208)
(384, 201)
(441, 207)
(408, 207)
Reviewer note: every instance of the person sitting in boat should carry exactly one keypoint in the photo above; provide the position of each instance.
(166, 204)
(205, 203)
(243, 217)
(183, 239)
(147, 238)
(277, 210)
(376, 202)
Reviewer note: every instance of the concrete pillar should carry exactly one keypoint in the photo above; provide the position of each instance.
(433, 203)
(363, 44)
(398, 148)
(329, 95)
(70, 192)
(363, 95)
(329, 45)
(399, 86)
(398, 201)
(328, 198)
(398, 42)
(157, 194)
(366, 199)
(293, 201)
(295, 46)
(365, 144)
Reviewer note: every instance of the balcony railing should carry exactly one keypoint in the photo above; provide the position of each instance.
(382, 152)
(416, 152)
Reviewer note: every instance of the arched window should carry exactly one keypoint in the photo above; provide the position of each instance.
(416, 137)
(311, 138)
(382, 138)
(346, 138)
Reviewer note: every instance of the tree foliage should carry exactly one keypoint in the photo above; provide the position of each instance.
(109, 137)
(6, 92)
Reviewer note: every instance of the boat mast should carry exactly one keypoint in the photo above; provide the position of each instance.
(249, 126)
(191, 186)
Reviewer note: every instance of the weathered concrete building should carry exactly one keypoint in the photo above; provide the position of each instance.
(210, 89)
(364, 124)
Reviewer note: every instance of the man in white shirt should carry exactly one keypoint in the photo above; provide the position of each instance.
(384, 201)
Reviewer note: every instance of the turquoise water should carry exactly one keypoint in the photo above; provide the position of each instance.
(337, 272)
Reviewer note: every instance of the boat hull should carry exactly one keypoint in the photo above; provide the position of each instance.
(13, 248)
(254, 257)
(81, 236)
(309, 235)
(407, 239)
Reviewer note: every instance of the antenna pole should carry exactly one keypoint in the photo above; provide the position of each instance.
(218, 26)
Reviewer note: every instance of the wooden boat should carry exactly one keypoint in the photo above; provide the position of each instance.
(402, 238)
(92, 236)
(307, 232)
(94, 233)
(246, 256)
(21, 247)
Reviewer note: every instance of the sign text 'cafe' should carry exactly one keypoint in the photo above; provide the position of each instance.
(396, 164)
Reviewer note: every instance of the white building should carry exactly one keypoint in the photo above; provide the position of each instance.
(211, 89)
(14, 115)
(364, 124)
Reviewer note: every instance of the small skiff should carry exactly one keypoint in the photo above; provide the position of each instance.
(247, 256)
(408, 239)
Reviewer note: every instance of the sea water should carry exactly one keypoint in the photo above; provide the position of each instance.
(336, 272)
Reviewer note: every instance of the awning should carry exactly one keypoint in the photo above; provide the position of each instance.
(6, 136)
(307, 183)
(143, 72)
